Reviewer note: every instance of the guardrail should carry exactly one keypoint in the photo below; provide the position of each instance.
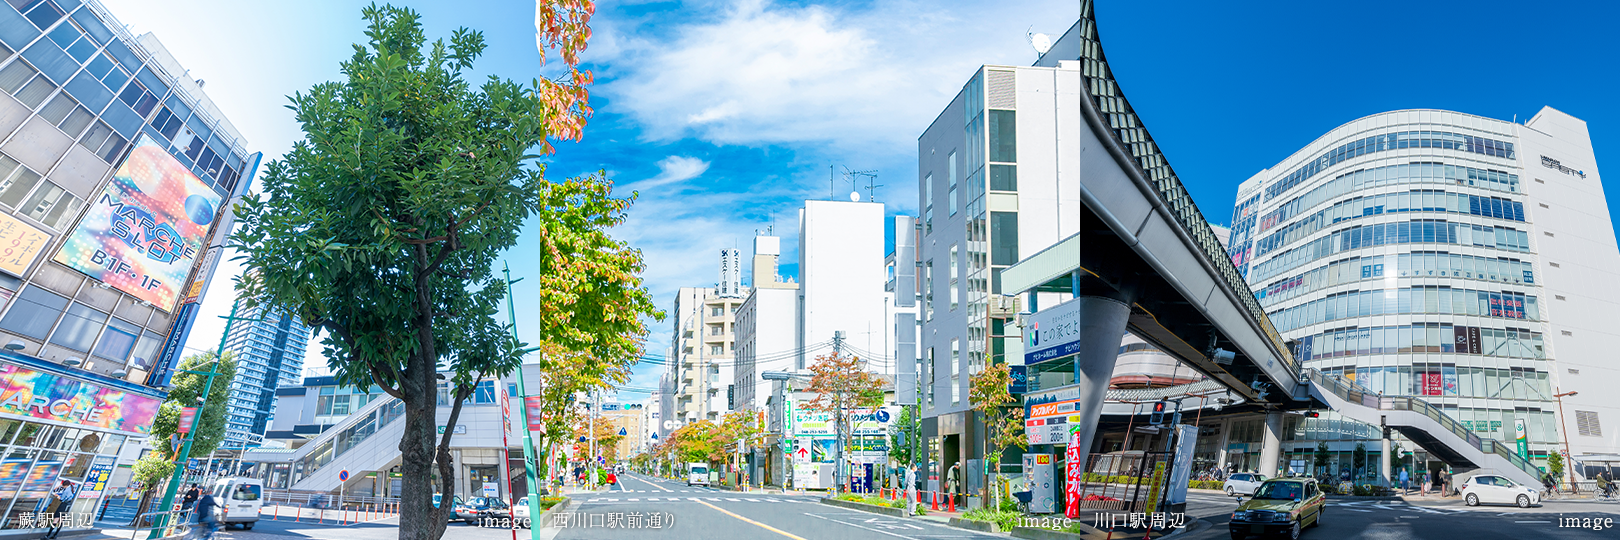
(1356, 393)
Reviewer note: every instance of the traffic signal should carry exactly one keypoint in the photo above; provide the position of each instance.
(1312, 414)
(1158, 413)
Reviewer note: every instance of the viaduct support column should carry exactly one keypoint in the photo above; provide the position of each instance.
(1102, 326)
(1271, 448)
(1384, 472)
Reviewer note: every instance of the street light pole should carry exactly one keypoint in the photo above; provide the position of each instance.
(529, 463)
(1565, 433)
(185, 449)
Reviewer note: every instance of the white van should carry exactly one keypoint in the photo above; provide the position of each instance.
(241, 499)
(697, 474)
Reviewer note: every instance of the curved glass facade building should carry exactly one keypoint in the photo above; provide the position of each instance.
(1460, 259)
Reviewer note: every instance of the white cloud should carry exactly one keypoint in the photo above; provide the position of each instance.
(672, 170)
(864, 79)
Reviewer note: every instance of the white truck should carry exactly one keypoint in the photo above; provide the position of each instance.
(697, 474)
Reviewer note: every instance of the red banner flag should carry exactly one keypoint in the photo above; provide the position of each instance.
(1073, 473)
(188, 416)
(532, 407)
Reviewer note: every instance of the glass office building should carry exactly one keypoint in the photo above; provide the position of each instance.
(269, 349)
(1429, 254)
(115, 169)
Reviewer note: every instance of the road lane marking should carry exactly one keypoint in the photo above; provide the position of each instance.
(1359, 510)
(734, 500)
(752, 500)
(858, 526)
(652, 484)
(760, 525)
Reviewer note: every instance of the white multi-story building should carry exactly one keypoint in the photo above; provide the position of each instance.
(1464, 260)
(999, 178)
(767, 326)
(700, 374)
(841, 270)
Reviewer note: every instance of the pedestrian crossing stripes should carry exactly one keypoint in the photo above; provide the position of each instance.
(662, 491)
(674, 499)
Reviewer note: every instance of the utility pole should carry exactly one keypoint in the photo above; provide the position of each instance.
(838, 421)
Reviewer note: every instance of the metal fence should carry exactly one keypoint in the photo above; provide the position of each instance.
(323, 499)
(1122, 482)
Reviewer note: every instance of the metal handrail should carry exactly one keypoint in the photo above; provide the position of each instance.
(183, 524)
(1352, 391)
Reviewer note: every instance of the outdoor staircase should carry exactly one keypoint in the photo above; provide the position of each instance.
(1431, 428)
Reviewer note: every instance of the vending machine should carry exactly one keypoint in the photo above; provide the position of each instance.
(1038, 476)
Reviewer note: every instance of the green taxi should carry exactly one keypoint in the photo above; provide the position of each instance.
(1280, 506)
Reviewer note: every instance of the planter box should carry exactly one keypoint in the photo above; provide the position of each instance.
(545, 517)
(885, 510)
(981, 526)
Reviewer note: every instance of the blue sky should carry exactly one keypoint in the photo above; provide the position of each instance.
(725, 113)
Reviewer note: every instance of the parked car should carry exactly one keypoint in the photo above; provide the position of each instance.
(454, 502)
(1242, 484)
(520, 511)
(1281, 506)
(465, 511)
(1492, 489)
(478, 508)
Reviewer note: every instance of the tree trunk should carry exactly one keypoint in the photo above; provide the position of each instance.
(418, 519)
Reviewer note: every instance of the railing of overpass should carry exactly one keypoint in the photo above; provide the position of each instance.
(1355, 393)
(1133, 136)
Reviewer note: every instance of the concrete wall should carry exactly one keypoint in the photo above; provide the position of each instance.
(1571, 228)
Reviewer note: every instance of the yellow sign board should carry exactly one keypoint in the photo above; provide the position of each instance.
(20, 244)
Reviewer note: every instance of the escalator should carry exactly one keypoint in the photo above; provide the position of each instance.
(1427, 426)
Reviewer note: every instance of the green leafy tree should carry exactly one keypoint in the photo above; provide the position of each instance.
(842, 385)
(187, 391)
(1555, 465)
(1358, 458)
(606, 434)
(154, 469)
(1323, 458)
(698, 441)
(1003, 422)
(381, 227)
(737, 430)
(900, 433)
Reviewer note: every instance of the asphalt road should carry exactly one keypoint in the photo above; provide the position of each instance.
(1442, 519)
(707, 514)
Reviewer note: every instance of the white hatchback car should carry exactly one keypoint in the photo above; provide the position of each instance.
(1242, 484)
(1486, 488)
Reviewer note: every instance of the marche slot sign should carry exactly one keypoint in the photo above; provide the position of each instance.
(145, 229)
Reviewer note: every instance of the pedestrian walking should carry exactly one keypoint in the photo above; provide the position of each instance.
(1424, 481)
(208, 511)
(1406, 482)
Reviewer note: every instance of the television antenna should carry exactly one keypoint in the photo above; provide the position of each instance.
(871, 185)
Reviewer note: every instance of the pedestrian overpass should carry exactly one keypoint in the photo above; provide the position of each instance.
(1150, 263)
